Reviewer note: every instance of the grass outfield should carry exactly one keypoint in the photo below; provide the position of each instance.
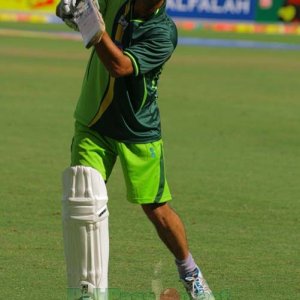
(231, 128)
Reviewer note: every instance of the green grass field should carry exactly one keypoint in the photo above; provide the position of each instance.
(231, 127)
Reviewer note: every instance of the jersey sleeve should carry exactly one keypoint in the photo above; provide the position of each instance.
(102, 5)
(150, 51)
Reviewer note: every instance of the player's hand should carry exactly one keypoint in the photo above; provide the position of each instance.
(64, 12)
(88, 18)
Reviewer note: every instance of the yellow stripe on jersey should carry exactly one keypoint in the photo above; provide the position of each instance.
(109, 95)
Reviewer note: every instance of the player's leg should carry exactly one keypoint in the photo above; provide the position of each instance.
(85, 215)
(169, 228)
(85, 228)
(92, 150)
(172, 232)
(144, 171)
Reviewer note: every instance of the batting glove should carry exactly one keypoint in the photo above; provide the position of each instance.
(69, 6)
(64, 12)
(89, 21)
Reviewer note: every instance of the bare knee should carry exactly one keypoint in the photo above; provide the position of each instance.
(157, 212)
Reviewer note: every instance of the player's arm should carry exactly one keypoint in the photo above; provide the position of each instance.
(115, 61)
(86, 17)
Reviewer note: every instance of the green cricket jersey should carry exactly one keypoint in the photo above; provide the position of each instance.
(126, 108)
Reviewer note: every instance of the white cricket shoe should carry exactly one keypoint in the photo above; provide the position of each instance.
(196, 286)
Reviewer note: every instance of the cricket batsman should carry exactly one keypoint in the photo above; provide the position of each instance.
(117, 116)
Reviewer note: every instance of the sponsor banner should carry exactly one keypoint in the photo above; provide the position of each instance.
(47, 6)
(213, 9)
(278, 10)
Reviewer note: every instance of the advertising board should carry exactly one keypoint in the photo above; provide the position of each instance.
(213, 9)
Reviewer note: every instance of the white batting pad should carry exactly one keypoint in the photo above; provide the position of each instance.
(85, 230)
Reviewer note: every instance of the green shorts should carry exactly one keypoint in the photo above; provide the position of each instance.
(142, 164)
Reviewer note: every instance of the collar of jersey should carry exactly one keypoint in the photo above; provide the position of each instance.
(157, 13)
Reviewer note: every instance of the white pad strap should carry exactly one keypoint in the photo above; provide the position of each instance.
(85, 226)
